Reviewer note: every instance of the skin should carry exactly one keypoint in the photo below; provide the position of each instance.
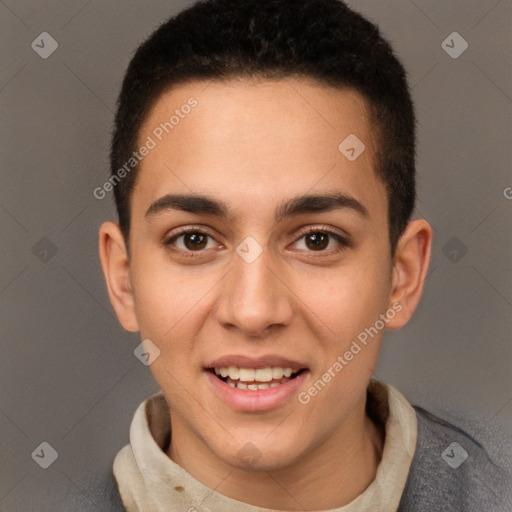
(254, 144)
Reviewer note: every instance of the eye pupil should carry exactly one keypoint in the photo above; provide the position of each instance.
(317, 241)
(194, 241)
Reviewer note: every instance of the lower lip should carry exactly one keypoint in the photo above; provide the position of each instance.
(256, 400)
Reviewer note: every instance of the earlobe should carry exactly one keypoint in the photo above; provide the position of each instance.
(116, 269)
(410, 266)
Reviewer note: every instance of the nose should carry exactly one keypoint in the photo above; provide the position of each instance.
(254, 300)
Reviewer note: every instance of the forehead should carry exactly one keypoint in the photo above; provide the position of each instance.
(254, 142)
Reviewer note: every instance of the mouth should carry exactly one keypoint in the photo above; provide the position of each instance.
(255, 384)
(255, 379)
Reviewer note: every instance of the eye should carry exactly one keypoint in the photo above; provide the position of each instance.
(193, 241)
(321, 240)
(190, 240)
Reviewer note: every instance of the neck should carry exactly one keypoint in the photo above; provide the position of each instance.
(330, 476)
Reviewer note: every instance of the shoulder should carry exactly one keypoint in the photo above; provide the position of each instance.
(110, 496)
(451, 471)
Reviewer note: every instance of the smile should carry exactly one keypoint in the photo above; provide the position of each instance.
(255, 379)
(255, 384)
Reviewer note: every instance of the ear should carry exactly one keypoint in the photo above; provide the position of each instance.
(410, 265)
(116, 269)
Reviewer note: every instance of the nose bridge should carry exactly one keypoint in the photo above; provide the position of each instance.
(254, 298)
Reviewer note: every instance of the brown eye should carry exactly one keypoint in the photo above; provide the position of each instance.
(195, 241)
(317, 241)
(322, 241)
(190, 242)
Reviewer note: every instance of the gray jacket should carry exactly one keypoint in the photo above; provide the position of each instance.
(451, 472)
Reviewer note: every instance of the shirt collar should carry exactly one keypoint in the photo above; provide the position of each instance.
(149, 480)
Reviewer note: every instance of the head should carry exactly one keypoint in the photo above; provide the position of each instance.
(268, 224)
(320, 41)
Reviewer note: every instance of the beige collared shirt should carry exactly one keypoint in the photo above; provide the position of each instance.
(149, 481)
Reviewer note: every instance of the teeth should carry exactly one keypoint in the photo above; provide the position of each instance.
(254, 375)
(263, 374)
(233, 373)
(277, 372)
(246, 374)
(253, 386)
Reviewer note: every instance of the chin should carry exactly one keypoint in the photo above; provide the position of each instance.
(269, 453)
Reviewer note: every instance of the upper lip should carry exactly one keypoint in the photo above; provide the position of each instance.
(264, 361)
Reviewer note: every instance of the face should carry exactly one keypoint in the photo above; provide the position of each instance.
(260, 252)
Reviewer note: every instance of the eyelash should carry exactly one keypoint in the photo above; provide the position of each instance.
(343, 243)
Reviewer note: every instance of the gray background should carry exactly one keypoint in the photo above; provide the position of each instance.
(68, 375)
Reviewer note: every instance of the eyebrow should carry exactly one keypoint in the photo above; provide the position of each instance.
(204, 205)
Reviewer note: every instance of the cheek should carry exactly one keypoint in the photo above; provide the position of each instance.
(171, 310)
(346, 308)
(162, 292)
(171, 303)
(347, 300)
